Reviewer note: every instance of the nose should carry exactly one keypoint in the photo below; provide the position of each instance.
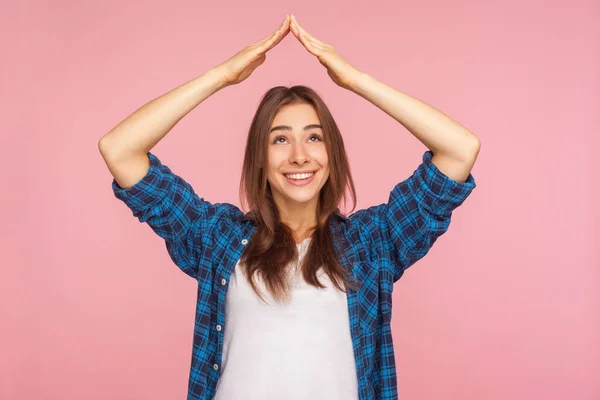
(298, 154)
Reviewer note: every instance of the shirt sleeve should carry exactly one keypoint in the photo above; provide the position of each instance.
(169, 205)
(418, 211)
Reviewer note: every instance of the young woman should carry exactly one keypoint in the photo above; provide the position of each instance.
(294, 298)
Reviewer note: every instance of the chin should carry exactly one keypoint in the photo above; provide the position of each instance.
(297, 199)
(300, 197)
(298, 194)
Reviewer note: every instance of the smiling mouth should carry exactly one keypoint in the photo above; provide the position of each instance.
(300, 177)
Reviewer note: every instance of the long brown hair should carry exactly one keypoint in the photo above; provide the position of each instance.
(272, 246)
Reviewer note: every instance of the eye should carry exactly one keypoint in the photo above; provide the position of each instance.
(314, 135)
(277, 138)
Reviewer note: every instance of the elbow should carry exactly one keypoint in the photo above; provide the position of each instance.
(103, 145)
(471, 150)
(476, 146)
(465, 151)
(107, 148)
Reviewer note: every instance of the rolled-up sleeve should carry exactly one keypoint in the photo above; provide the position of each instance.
(169, 205)
(418, 211)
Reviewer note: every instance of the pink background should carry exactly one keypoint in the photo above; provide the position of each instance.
(505, 305)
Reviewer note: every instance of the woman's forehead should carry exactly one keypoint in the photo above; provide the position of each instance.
(296, 115)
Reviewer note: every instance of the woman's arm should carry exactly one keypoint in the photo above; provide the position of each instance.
(141, 131)
(125, 147)
(454, 147)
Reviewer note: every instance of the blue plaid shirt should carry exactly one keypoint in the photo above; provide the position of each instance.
(377, 244)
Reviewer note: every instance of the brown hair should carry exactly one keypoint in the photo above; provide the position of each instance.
(272, 246)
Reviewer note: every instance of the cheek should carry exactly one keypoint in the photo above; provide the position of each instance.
(321, 158)
(274, 162)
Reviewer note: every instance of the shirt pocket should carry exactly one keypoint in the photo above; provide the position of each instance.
(367, 273)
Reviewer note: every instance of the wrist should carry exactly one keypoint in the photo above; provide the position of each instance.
(219, 77)
(359, 82)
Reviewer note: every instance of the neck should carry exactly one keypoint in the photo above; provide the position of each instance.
(301, 218)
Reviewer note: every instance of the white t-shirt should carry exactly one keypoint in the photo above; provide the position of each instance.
(297, 350)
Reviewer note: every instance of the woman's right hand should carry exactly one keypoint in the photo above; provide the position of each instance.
(241, 65)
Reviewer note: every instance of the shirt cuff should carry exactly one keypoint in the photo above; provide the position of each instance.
(148, 191)
(441, 193)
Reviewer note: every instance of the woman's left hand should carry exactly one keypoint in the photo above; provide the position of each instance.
(341, 71)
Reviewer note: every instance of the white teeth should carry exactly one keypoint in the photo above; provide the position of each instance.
(299, 176)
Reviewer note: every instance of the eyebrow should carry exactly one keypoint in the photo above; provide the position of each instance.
(289, 128)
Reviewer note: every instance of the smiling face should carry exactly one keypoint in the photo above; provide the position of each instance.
(296, 145)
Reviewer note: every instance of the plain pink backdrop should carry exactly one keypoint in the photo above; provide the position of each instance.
(504, 306)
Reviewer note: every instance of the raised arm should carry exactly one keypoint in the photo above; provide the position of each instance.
(125, 147)
(153, 192)
(453, 146)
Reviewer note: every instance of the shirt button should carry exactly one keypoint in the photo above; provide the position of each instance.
(223, 281)
(244, 241)
(219, 328)
(215, 367)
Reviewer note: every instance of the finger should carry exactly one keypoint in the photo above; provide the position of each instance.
(303, 38)
(295, 23)
(314, 42)
(262, 41)
(308, 44)
(280, 32)
(276, 37)
(296, 31)
(283, 31)
(273, 40)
